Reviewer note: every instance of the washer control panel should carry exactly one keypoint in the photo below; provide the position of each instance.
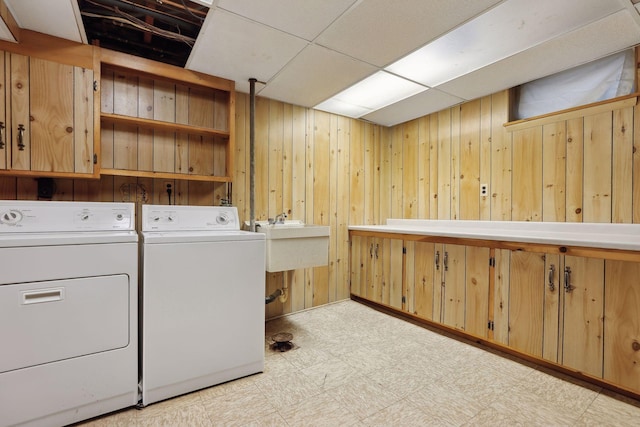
(19, 216)
(186, 218)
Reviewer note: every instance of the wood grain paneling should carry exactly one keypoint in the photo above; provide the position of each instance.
(338, 171)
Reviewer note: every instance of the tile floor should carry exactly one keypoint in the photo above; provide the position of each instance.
(354, 366)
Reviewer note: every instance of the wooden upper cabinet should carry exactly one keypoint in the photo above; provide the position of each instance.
(47, 117)
(160, 121)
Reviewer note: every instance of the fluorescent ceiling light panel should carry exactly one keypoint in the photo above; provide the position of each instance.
(338, 107)
(507, 29)
(372, 93)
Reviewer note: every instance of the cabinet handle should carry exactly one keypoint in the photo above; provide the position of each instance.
(437, 260)
(552, 272)
(1, 136)
(446, 261)
(567, 279)
(21, 138)
(376, 251)
(371, 251)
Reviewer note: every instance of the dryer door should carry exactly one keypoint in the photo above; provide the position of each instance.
(47, 321)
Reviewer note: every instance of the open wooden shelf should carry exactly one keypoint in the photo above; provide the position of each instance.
(164, 175)
(161, 125)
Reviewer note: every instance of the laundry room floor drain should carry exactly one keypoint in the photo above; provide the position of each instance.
(282, 342)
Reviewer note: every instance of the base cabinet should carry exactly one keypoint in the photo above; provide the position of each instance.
(449, 284)
(622, 324)
(372, 275)
(556, 306)
(576, 312)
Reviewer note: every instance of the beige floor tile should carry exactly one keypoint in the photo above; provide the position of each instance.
(530, 409)
(238, 409)
(609, 409)
(363, 396)
(287, 389)
(330, 374)
(558, 391)
(402, 413)
(447, 405)
(319, 410)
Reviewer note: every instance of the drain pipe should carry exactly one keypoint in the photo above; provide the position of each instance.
(271, 298)
(252, 154)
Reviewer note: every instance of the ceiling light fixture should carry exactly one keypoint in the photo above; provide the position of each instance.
(374, 92)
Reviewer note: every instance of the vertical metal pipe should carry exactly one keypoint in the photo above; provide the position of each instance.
(252, 154)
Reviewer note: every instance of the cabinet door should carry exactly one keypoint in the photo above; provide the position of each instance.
(20, 129)
(622, 324)
(477, 271)
(51, 107)
(4, 143)
(357, 264)
(426, 279)
(582, 337)
(526, 302)
(396, 267)
(454, 286)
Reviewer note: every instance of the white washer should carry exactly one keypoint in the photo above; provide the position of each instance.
(203, 285)
(68, 311)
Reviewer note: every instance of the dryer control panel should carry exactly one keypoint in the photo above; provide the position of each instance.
(20, 216)
(189, 218)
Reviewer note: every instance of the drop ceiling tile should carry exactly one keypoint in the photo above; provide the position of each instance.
(596, 40)
(381, 31)
(236, 48)
(419, 105)
(314, 75)
(59, 18)
(302, 18)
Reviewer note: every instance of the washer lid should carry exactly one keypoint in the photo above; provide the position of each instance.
(155, 237)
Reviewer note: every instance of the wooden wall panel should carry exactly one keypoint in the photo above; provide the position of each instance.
(554, 155)
(470, 160)
(622, 167)
(328, 169)
(597, 166)
(527, 175)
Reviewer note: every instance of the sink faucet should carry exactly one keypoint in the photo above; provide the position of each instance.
(279, 219)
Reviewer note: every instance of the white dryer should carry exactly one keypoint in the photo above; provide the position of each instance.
(68, 311)
(203, 286)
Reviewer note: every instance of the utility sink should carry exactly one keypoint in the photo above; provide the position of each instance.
(292, 244)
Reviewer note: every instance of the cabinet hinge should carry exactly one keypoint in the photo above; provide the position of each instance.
(490, 325)
(95, 159)
(492, 262)
(404, 299)
(404, 250)
(95, 85)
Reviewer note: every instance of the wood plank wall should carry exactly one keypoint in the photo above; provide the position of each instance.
(331, 170)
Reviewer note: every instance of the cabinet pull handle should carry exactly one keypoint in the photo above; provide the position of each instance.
(371, 251)
(567, 279)
(1, 136)
(437, 260)
(446, 261)
(376, 251)
(552, 272)
(21, 138)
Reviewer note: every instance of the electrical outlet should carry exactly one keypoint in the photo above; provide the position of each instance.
(484, 190)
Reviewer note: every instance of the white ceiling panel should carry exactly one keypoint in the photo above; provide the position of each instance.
(314, 75)
(611, 34)
(416, 106)
(380, 31)
(58, 18)
(302, 18)
(482, 41)
(236, 48)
